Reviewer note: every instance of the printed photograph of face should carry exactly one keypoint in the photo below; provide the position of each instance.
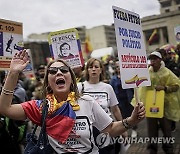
(65, 50)
(178, 36)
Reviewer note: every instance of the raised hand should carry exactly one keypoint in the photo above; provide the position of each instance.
(19, 61)
(138, 113)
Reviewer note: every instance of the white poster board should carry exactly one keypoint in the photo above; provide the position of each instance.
(65, 44)
(11, 41)
(11, 37)
(131, 49)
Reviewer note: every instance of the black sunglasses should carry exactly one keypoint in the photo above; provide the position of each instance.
(54, 70)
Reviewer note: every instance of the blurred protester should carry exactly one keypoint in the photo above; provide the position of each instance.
(178, 51)
(169, 60)
(40, 73)
(37, 94)
(38, 90)
(124, 96)
(109, 68)
(173, 66)
(27, 84)
(102, 92)
(13, 132)
(162, 79)
(79, 73)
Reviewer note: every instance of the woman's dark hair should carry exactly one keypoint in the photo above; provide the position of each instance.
(73, 87)
(89, 64)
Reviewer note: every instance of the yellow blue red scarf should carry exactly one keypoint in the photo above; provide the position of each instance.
(61, 117)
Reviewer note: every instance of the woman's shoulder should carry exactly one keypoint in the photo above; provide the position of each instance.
(105, 85)
(86, 101)
(81, 84)
(86, 97)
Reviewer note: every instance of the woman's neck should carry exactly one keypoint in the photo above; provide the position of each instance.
(61, 97)
(93, 80)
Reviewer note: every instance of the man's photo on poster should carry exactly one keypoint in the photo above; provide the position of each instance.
(65, 51)
(178, 36)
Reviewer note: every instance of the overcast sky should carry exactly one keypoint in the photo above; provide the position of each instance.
(40, 16)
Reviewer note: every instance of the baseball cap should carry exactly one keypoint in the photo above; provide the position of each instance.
(155, 53)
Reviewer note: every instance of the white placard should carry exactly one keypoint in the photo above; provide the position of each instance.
(65, 44)
(131, 49)
(11, 37)
(11, 41)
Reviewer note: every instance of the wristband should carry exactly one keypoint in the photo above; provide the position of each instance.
(7, 92)
(126, 124)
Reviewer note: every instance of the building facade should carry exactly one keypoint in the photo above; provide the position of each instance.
(169, 5)
(164, 23)
(104, 36)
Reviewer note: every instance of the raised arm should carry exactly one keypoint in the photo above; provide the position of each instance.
(15, 111)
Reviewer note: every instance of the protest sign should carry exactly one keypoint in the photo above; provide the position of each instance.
(65, 44)
(131, 49)
(11, 37)
(154, 103)
(11, 41)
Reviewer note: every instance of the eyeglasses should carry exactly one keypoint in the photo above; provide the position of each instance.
(54, 70)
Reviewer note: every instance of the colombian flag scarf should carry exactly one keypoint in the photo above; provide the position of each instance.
(61, 117)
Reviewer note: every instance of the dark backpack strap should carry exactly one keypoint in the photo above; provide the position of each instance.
(43, 118)
(43, 134)
(82, 91)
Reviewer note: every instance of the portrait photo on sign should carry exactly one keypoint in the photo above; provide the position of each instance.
(65, 51)
(178, 36)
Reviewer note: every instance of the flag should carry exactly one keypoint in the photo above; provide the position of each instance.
(58, 125)
(153, 37)
(88, 47)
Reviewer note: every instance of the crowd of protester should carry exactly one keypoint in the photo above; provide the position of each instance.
(28, 89)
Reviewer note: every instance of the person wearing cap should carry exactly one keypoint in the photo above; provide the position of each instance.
(170, 58)
(13, 132)
(172, 64)
(162, 79)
